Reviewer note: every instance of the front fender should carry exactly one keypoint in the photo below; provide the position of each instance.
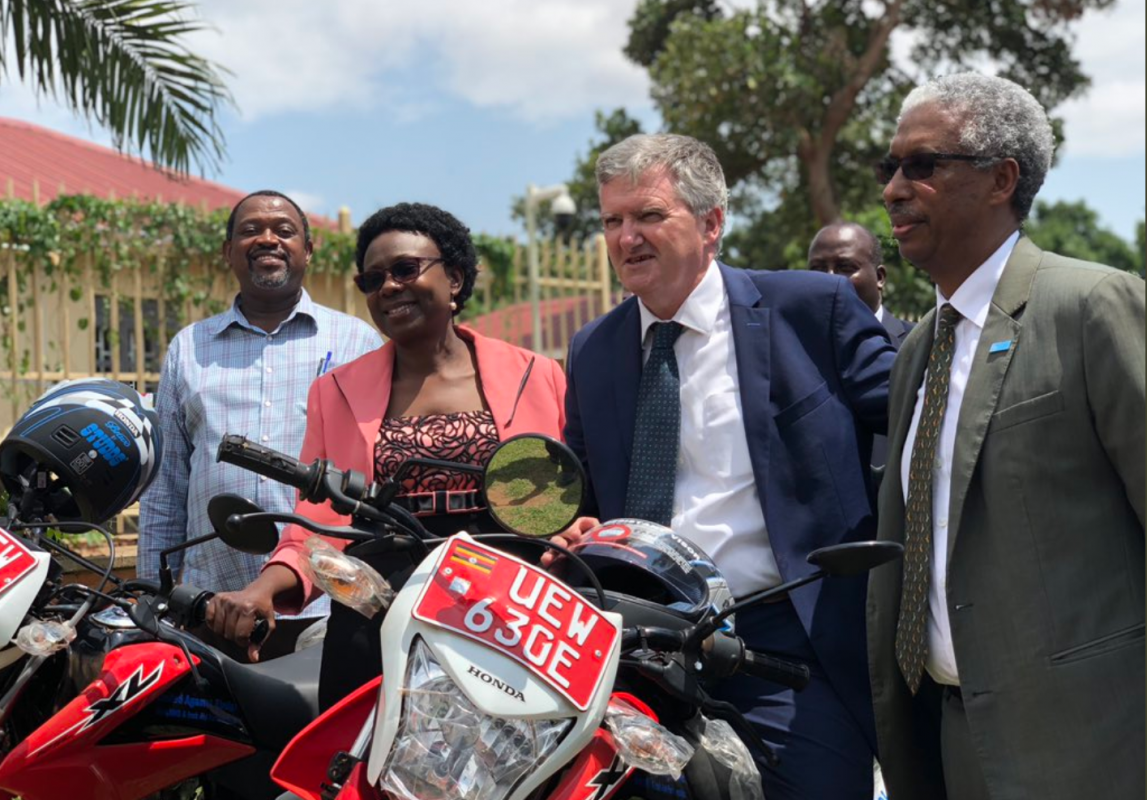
(302, 767)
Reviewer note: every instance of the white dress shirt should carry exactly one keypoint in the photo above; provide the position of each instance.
(880, 312)
(715, 501)
(972, 300)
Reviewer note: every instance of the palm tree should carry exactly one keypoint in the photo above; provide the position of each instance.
(122, 63)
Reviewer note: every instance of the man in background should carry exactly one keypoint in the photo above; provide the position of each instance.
(852, 251)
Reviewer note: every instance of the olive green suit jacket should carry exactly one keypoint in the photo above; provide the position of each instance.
(1045, 583)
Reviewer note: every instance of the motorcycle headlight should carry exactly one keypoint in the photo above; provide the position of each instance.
(446, 749)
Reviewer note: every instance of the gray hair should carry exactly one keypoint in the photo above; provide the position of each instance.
(696, 172)
(1001, 120)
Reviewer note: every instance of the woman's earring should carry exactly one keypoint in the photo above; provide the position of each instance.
(453, 306)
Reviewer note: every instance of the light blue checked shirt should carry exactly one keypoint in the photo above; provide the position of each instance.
(224, 375)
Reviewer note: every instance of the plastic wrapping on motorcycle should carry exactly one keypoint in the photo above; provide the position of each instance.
(99, 438)
(22, 573)
(651, 575)
(599, 770)
(45, 637)
(345, 579)
(493, 666)
(646, 744)
(720, 741)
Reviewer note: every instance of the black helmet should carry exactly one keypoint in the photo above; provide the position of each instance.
(100, 440)
(651, 575)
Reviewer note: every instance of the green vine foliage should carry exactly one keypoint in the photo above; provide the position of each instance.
(497, 255)
(181, 242)
(73, 231)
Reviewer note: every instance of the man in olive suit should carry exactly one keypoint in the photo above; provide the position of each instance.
(1006, 652)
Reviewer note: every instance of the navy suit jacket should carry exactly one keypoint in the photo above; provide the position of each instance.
(813, 365)
(897, 328)
(897, 331)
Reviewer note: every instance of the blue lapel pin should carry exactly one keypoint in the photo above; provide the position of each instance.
(1001, 347)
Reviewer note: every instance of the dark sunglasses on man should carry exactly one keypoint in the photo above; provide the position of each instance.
(405, 270)
(920, 166)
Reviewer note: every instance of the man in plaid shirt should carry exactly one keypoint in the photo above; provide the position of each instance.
(245, 371)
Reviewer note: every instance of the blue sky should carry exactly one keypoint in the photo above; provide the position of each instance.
(461, 103)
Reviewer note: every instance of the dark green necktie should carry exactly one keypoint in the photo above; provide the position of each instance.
(912, 627)
(657, 431)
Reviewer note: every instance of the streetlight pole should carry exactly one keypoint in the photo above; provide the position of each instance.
(563, 206)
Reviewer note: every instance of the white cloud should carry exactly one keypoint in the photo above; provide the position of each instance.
(539, 60)
(1109, 120)
(309, 201)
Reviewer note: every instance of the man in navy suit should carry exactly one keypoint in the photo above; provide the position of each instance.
(783, 379)
(852, 251)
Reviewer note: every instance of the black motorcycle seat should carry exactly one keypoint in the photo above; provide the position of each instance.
(278, 698)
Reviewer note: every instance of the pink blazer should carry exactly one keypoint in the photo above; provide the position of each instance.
(345, 409)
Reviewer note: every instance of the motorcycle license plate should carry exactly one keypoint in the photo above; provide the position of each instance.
(522, 611)
(15, 560)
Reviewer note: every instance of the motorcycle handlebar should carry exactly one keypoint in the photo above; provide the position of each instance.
(778, 670)
(241, 452)
(723, 655)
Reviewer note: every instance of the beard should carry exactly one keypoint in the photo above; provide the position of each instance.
(270, 280)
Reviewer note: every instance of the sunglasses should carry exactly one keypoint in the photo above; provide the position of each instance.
(920, 166)
(406, 270)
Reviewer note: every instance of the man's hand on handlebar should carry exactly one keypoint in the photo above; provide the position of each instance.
(569, 537)
(234, 615)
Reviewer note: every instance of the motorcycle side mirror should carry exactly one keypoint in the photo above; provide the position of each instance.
(853, 558)
(534, 485)
(838, 560)
(256, 537)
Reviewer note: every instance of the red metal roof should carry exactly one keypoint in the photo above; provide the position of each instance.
(59, 164)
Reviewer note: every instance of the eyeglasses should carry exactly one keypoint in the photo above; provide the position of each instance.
(920, 166)
(405, 270)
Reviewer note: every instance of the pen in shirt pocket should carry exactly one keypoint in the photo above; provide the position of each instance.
(324, 364)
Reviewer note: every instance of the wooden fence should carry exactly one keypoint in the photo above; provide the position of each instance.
(57, 326)
(575, 285)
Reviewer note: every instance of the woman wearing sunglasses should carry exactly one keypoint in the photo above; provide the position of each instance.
(434, 390)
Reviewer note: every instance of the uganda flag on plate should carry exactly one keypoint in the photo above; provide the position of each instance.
(472, 558)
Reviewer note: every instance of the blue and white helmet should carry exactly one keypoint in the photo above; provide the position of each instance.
(98, 441)
(649, 572)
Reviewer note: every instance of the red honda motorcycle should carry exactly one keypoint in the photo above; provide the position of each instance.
(504, 681)
(103, 693)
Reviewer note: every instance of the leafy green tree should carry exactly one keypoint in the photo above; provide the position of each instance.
(613, 127)
(1140, 246)
(124, 64)
(1073, 229)
(799, 97)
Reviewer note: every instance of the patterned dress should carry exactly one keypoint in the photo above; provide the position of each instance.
(352, 653)
(468, 437)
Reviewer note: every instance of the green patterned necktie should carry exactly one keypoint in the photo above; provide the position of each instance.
(912, 627)
(656, 431)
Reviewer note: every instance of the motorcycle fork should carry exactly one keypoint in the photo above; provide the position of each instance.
(343, 762)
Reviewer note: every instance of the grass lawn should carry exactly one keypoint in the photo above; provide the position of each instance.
(523, 488)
